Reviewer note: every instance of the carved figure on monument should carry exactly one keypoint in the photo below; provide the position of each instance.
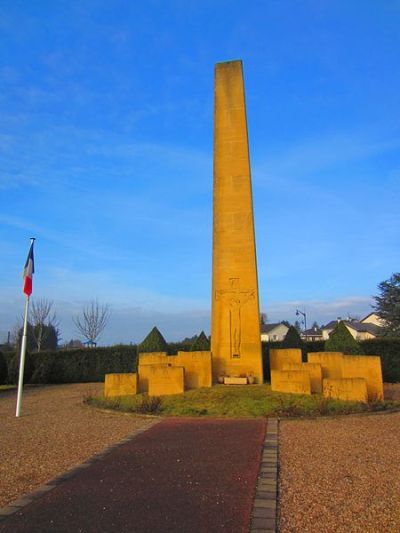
(236, 299)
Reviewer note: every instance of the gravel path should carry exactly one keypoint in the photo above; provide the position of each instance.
(340, 475)
(56, 431)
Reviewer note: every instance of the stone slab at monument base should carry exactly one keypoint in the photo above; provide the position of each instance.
(120, 385)
(145, 360)
(234, 381)
(367, 367)
(336, 365)
(279, 357)
(331, 363)
(349, 389)
(165, 380)
(248, 365)
(291, 381)
(315, 371)
(197, 365)
(198, 368)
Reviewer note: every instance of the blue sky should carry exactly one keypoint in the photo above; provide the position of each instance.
(106, 155)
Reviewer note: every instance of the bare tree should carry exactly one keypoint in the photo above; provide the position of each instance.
(92, 321)
(44, 322)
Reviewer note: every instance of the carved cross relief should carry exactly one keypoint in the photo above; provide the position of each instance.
(236, 298)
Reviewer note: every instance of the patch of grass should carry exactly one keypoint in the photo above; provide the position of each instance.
(7, 387)
(237, 401)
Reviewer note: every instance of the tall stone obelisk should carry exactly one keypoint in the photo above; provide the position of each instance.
(235, 327)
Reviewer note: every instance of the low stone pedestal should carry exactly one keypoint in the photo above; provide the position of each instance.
(349, 389)
(164, 380)
(234, 381)
(120, 385)
(293, 381)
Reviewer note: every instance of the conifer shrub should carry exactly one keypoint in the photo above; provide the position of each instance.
(201, 344)
(154, 342)
(341, 340)
(292, 339)
(3, 369)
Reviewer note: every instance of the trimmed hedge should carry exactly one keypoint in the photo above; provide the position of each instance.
(13, 368)
(389, 352)
(83, 365)
(3, 369)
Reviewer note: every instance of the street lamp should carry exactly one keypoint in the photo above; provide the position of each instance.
(298, 312)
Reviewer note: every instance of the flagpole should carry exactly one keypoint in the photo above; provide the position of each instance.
(28, 272)
(22, 360)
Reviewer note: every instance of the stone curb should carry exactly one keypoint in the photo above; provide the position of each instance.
(26, 499)
(264, 513)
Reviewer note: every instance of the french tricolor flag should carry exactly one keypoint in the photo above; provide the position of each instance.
(29, 269)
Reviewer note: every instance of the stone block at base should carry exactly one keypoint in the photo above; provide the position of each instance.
(292, 381)
(349, 389)
(278, 357)
(367, 367)
(198, 368)
(234, 381)
(144, 360)
(165, 379)
(331, 363)
(315, 371)
(120, 385)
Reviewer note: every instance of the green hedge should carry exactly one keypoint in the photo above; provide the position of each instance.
(389, 352)
(3, 369)
(82, 365)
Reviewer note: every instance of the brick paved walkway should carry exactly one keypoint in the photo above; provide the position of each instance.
(189, 475)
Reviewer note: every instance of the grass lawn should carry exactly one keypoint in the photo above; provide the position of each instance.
(7, 387)
(237, 401)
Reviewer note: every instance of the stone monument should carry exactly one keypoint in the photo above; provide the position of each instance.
(235, 322)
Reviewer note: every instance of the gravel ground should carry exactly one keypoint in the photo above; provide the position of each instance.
(340, 475)
(56, 431)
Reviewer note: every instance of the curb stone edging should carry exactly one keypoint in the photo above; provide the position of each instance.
(264, 512)
(26, 499)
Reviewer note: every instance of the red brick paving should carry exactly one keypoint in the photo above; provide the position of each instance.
(182, 475)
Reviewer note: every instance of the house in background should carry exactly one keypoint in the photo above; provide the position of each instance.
(273, 332)
(313, 334)
(368, 327)
(373, 318)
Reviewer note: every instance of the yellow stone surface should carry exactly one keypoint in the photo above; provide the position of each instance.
(331, 363)
(279, 357)
(165, 379)
(146, 359)
(293, 381)
(120, 385)
(234, 381)
(235, 320)
(367, 367)
(349, 389)
(315, 371)
(198, 369)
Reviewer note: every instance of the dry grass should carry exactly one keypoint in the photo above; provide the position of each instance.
(340, 475)
(56, 432)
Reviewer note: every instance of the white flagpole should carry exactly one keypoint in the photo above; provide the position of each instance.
(22, 360)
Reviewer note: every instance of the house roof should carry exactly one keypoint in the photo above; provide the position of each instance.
(267, 328)
(313, 332)
(357, 326)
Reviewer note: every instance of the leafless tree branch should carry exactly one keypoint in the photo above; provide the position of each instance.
(93, 320)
